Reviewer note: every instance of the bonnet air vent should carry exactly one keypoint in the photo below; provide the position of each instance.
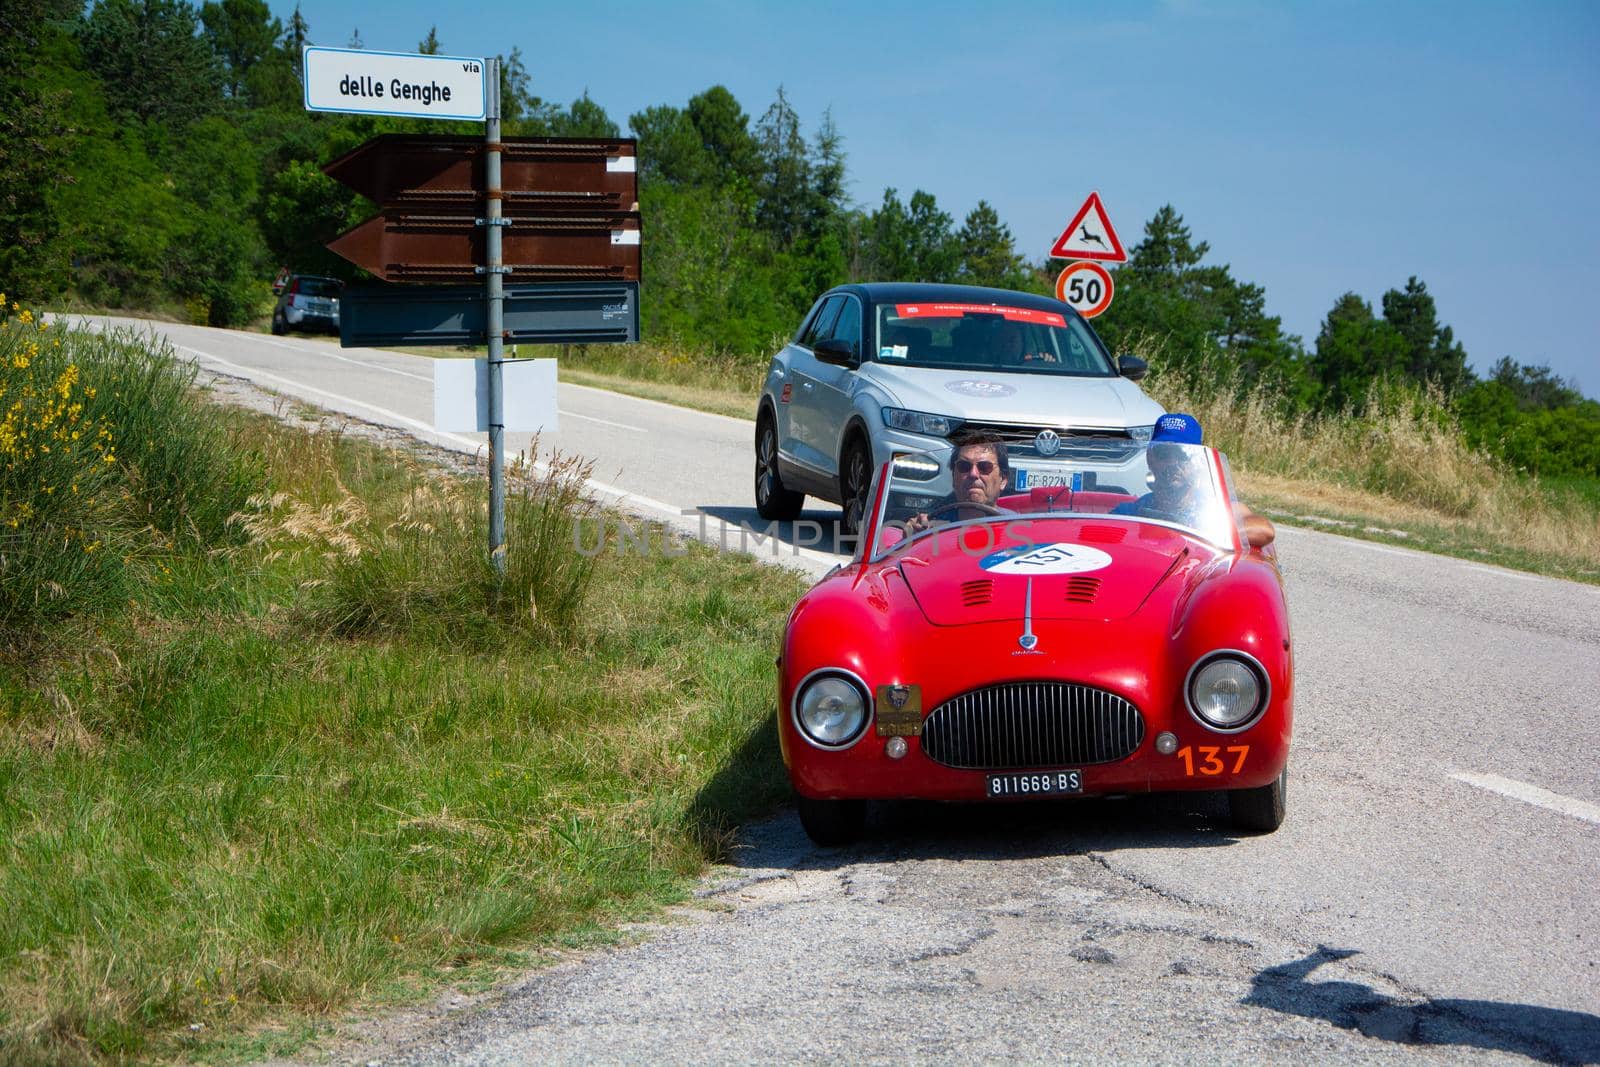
(1104, 535)
(977, 592)
(1082, 590)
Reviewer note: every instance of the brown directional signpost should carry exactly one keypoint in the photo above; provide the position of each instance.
(558, 217)
(569, 205)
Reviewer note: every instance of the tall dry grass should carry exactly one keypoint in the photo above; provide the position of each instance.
(415, 561)
(1401, 461)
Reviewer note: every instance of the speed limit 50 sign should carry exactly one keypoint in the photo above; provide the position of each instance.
(1086, 286)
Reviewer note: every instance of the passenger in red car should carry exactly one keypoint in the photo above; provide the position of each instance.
(1172, 494)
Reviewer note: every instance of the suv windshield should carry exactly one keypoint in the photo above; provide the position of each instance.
(307, 286)
(989, 337)
(929, 492)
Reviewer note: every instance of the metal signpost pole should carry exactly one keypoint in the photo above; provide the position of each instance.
(492, 222)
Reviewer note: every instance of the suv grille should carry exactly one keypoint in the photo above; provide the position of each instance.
(1099, 445)
(1032, 724)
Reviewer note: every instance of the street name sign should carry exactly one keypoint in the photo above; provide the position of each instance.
(1090, 235)
(356, 81)
(376, 316)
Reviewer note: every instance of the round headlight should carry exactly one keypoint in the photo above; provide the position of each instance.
(1227, 692)
(831, 710)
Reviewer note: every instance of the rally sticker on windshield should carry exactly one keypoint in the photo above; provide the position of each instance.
(1052, 557)
(961, 311)
(979, 388)
(894, 351)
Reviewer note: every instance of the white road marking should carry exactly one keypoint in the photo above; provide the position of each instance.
(603, 422)
(1380, 548)
(748, 424)
(1531, 794)
(1501, 573)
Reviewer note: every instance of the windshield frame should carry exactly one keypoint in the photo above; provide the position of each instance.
(888, 536)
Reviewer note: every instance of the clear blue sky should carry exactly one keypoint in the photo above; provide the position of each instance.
(1318, 148)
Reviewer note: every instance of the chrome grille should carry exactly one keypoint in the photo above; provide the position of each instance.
(1095, 445)
(1032, 724)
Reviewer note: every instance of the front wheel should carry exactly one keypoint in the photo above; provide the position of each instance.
(773, 501)
(1260, 810)
(832, 822)
(855, 481)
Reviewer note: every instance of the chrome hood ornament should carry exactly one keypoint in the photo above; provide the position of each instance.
(1029, 641)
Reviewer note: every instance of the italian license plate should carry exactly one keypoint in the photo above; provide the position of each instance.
(1033, 784)
(1027, 479)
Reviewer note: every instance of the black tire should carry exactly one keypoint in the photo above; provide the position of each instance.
(855, 481)
(1260, 810)
(773, 501)
(832, 822)
(279, 328)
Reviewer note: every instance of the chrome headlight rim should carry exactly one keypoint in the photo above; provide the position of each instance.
(866, 703)
(1263, 681)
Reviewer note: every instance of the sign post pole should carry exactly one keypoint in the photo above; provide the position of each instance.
(492, 221)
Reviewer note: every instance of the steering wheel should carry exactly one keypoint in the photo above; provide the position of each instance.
(952, 505)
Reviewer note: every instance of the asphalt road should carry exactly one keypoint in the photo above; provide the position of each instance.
(1432, 896)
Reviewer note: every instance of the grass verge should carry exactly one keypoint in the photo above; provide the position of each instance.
(324, 765)
(1399, 473)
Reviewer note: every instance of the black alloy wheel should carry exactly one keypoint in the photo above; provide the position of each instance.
(832, 823)
(279, 327)
(855, 480)
(773, 501)
(1260, 810)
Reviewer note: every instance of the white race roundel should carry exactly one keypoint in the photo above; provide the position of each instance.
(1054, 557)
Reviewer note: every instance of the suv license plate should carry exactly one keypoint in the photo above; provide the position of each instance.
(1027, 479)
(1033, 784)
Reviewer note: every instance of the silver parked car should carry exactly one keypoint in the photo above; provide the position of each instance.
(307, 302)
(881, 369)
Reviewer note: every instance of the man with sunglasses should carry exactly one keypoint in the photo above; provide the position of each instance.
(979, 472)
(1174, 473)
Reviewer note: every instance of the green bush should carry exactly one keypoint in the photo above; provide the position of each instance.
(107, 455)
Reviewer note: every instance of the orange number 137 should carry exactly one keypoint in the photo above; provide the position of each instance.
(1211, 759)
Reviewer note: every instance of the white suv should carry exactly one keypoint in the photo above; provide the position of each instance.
(881, 369)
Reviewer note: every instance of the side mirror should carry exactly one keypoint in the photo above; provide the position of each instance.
(1132, 368)
(835, 350)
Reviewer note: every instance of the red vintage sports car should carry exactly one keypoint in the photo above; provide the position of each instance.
(1074, 640)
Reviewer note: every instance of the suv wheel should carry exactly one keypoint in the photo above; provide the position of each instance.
(279, 327)
(773, 501)
(855, 481)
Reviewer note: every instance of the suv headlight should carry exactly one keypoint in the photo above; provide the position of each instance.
(920, 422)
(830, 708)
(1227, 691)
(1141, 433)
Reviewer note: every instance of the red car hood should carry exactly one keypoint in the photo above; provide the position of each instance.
(1098, 570)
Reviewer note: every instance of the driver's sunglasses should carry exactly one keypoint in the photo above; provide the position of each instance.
(985, 466)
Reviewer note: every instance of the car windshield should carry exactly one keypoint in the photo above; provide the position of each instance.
(989, 337)
(317, 287)
(924, 493)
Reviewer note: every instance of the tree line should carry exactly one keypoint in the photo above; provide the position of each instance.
(157, 154)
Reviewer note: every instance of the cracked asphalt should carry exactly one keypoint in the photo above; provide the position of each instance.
(942, 939)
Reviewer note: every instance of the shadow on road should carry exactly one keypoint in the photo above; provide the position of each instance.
(1548, 1034)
